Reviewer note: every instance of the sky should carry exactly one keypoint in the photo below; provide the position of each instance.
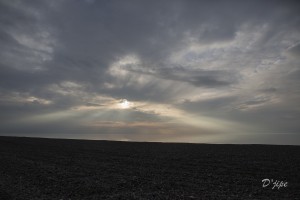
(193, 71)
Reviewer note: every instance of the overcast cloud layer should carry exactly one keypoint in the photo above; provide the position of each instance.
(174, 71)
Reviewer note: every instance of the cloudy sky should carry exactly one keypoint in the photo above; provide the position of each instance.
(171, 71)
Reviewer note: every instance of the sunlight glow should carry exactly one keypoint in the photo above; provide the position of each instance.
(124, 104)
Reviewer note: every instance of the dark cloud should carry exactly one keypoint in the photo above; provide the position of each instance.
(23, 81)
(294, 75)
(11, 14)
(212, 107)
(269, 90)
(199, 78)
(255, 102)
(295, 50)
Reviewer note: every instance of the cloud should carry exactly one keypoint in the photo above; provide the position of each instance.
(225, 64)
(198, 78)
(295, 50)
(269, 90)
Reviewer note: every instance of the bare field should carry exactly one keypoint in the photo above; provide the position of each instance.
(34, 168)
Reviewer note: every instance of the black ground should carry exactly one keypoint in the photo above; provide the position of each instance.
(32, 168)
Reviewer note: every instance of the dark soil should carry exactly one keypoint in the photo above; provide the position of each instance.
(34, 168)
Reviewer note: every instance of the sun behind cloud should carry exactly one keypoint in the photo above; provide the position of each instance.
(124, 104)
